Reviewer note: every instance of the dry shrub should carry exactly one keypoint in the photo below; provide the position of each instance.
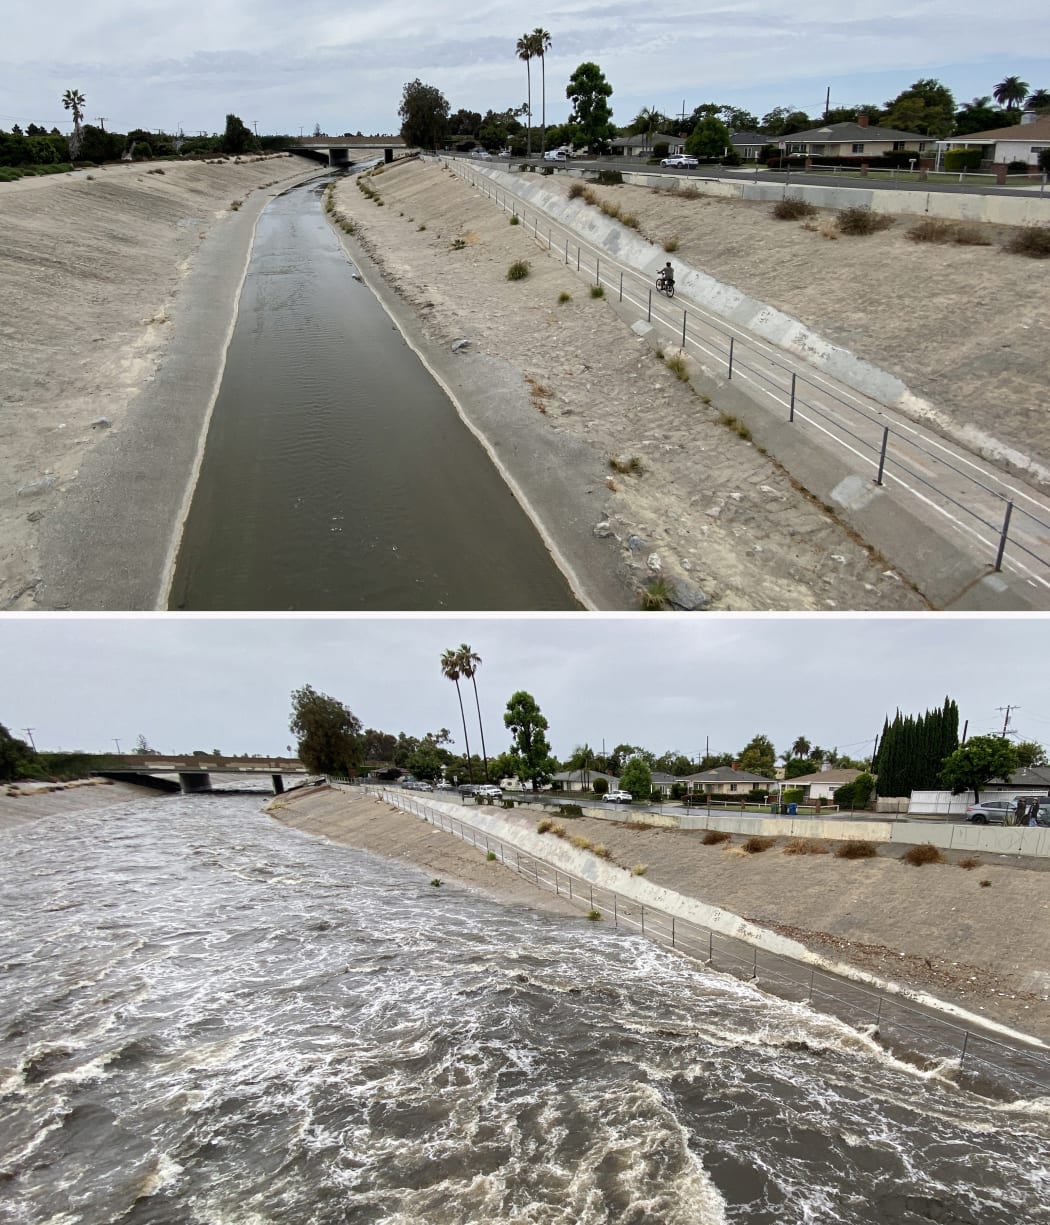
(518, 271)
(1033, 241)
(625, 464)
(986, 884)
(925, 852)
(590, 196)
(792, 208)
(677, 363)
(544, 826)
(855, 849)
(671, 244)
(805, 846)
(714, 836)
(756, 844)
(576, 190)
(609, 208)
(630, 220)
(971, 236)
(602, 851)
(736, 425)
(686, 193)
(931, 229)
(640, 869)
(862, 221)
(969, 863)
(581, 844)
(558, 831)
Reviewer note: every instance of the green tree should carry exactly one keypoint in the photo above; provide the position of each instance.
(758, 756)
(647, 121)
(637, 778)
(328, 734)
(582, 759)
(236, 139)
(1039, 100)
(801, 747)
(143, 747)
(1010, 92)
(848, 114)
(427, 761)
(981, 758)
(452, 670)
(601, 786)
(709, 139)
(73, 100)
(424, 114)
(532, 754)
(541, 41)
(737, 120)
(927, 106)
(912, 749)
(1030, 753)
(978, 115)
(591, 118)
(795, 767)
(782, 121)
(526, 50)
(16, 757)
(465, 123)
(469, 662)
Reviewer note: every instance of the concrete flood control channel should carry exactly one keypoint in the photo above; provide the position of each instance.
(337, 474)
(967, 535)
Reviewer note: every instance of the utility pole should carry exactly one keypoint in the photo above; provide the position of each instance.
(1006, 717)
(255, 126)
(827, 104)
(101, 122)
(29, 732)
(117, 743)
(682, 115)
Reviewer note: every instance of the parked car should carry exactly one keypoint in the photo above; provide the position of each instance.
(468, 788)
(480, 153)
(682, 160)
(443, 785)
(504, 153)
(555, 155)
(490, 791)
(617, 797)
(1001, 812)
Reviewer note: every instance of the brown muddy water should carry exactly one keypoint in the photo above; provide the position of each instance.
(337, 474)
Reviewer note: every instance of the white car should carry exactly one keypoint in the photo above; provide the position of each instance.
(489, 791)
(617, 797)
(481, 153)
(682, 160)
(556, 155)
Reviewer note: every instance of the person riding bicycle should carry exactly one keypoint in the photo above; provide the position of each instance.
(667, 272)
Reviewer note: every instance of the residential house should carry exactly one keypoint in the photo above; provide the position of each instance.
(749, 144)
(727, 780)
(1021, 142)
(664, 782)
(823, 784)
(1029, 778)
(642, 146)
(857, 138)
(579, 780)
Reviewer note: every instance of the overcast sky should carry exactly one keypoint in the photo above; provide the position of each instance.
(343, 64)
(658, 681)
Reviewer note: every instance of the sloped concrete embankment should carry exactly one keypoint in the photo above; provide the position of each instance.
(559, 854)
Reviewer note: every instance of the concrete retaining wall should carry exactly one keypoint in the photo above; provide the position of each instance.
(952, 206)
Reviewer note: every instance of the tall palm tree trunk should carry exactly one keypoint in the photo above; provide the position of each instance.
(543, 119)
(484, 754)
(466, 741)
(528, 117)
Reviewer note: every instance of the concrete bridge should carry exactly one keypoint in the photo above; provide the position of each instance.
(194, 773)
(347, 150)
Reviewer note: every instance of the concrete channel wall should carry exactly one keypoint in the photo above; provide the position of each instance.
(991, 839)
(951, 206)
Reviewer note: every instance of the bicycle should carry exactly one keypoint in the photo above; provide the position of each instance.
(663, 285)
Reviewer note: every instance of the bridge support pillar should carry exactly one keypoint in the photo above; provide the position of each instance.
(194, 782)
(278, 784)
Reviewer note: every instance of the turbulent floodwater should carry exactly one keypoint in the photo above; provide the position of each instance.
(210, 1018)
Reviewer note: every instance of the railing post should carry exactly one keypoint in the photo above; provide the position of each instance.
(730, 374)
(577, 259)
(649, 316)
(684, 317)
(643, 920)
(672, 931)
(962, 1053)
(566, 252)
(621, 286)
(616, 913)
(711, 948)
(597, 270)
(812, 972)
(882, 453)
(791, 412)
(878, 1014)
(754, 970)
(1002, 536)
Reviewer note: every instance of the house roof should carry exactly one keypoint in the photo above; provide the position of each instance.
(837, 132)
(725, 774)
(1028, 776)
(644, 141)
(838, 777)
(751, 138)
(576, 776)
(1039, 130)
(658, 776)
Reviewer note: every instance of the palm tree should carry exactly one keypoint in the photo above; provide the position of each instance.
(469, 662)
(452, 671)
(801, 747)
(583, 760)
(541, 41)
(526, 49)
(1010, 92)
(73, 100)
(1039, 100)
